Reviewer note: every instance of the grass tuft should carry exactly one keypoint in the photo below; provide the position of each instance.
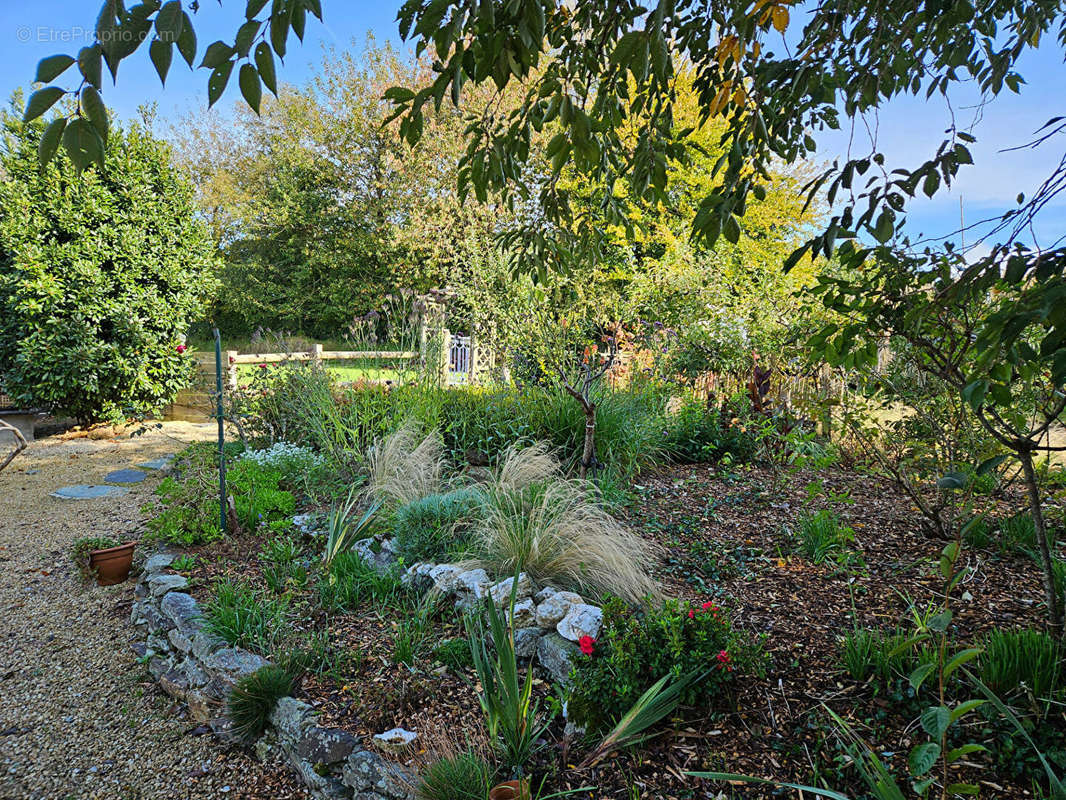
(254, 697)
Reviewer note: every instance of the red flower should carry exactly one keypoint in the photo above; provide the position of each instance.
(691, 614)
(724, 661)
(709, 606)
(262, 366)
(182, 348)
(587, 645)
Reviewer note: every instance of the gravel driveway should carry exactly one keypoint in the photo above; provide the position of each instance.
(79, 716)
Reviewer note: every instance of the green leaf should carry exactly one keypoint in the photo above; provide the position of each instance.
(217, 54)
(922, 758)
(254, 7)
(279, 32)
(941, 621)
(187, 41)
(885, 226)
(731, 229)
(264, 60)
(161, 53)
(964, 750)
(962, 788)
(935, 720)
(960, 658)
(251, 88)
(92, 105)
(90, 62)
(990, 464)
(40, 101)
(48, 69)
(974, 393)
(216, 84)
(169, 22)
(953, 480)
(83, 144)
(245, 36)
(917, 678)
(50, 140)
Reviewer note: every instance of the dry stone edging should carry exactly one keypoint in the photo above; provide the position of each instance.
(199, 669)
(547, 622)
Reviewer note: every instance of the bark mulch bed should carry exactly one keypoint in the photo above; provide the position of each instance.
(724, 535)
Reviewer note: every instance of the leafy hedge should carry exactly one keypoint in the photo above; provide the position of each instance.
(100, 275)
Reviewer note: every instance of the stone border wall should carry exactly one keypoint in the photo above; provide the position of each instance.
(199, 670)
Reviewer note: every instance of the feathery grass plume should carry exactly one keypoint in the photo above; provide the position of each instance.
(520, 467)
(405, 466)
(554, 529)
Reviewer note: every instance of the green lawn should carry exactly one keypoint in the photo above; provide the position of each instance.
(366, 369)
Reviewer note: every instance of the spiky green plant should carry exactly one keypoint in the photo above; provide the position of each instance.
(341, 532)
(254, 697)
(513, 718)
(465, 776)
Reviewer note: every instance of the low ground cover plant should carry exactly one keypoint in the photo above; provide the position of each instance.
(189, 498)
(636, 648)
(239, 614)
(435, 528)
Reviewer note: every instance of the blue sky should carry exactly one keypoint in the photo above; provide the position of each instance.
(908, 130)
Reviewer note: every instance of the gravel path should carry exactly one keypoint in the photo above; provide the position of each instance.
(79, 717)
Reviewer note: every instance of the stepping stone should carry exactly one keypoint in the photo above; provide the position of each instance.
(158, 463)
(125, 476)
(88, 492)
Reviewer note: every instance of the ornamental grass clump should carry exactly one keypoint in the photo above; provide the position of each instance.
(535, 520)
(253, 698)
(405, 466)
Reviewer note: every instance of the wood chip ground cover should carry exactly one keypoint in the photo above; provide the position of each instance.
(722, 535)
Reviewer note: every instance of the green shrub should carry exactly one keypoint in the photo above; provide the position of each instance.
(465, 776)
(190, 497)
(254, 697)
(352, 581)
(454, 653)
(637, 648)
(100, 275)
(696, 434)
(431, 529)
(257, 496)
(1010, 660)
(240, 615)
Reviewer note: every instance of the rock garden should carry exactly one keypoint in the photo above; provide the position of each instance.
(398, 622)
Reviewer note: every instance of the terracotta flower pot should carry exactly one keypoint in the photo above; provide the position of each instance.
(510, 790)
(113, 564)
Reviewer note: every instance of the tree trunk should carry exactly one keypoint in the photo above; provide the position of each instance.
(1054, 601)
(588, 454)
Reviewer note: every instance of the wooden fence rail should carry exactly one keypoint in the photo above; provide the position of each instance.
(233, 358)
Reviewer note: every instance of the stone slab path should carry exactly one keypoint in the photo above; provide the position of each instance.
(79, 717)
